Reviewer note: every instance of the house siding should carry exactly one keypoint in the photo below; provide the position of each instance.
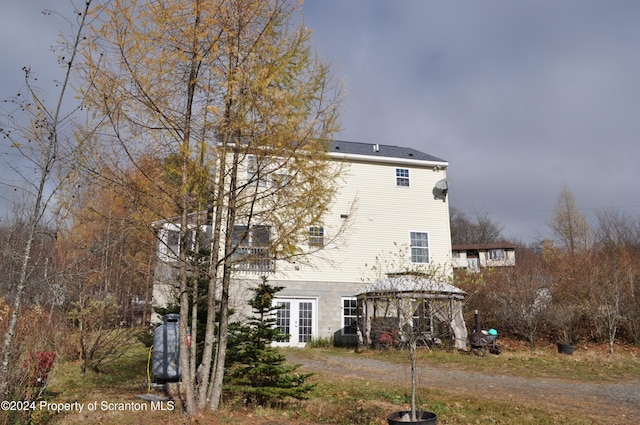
(381, 215)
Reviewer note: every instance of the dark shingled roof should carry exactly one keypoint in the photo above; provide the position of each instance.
(383, 151)
(483, 246)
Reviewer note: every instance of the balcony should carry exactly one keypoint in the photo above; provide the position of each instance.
(253, 260)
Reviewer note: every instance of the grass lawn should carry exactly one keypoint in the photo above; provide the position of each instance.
(109, 397)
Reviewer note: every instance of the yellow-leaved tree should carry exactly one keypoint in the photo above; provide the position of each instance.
(232, 92)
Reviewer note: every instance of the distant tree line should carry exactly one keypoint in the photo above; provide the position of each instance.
(580, 285)
(478, 229)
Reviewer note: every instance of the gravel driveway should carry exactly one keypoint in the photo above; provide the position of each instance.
(620, 401)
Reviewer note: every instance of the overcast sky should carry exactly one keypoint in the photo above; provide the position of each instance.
(521, 97)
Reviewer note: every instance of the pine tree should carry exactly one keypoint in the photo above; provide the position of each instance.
(256, 370)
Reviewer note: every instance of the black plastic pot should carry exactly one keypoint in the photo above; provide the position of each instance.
(422, 418)
(565, 348)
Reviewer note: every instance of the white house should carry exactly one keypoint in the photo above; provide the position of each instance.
(388, 196)
(475, 257)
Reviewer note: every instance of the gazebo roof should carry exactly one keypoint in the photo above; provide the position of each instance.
(420, 287)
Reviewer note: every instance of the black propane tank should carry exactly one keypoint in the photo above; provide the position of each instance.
(165, 362)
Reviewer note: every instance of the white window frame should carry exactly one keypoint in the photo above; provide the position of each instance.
(419, 247)
(316, 236)
(401, 177)
(354, 305)
(169, 236)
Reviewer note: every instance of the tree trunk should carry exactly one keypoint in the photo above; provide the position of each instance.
(188, 388)
(412, 357)
(218, 374)
(46, 165)
(209, 338)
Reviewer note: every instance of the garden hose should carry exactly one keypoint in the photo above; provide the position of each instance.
(149, 370)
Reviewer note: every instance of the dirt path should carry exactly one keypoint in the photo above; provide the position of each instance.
(620, 401)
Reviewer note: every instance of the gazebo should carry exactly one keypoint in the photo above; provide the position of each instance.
(408, 305)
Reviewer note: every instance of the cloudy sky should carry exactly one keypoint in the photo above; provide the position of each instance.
(521, 97)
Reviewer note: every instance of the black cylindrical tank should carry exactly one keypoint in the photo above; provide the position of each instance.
(165, 362)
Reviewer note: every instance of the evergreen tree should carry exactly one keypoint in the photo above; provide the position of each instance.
(256, 370)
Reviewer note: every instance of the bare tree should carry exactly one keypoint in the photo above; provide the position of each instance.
(477, 230)
(613, 297)
(523, 296)
(42, 267)
(398, 294)
(37, 133)
(617, 228)
(608, 282)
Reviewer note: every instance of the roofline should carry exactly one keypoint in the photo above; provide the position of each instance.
(387, 159)
(484, 246)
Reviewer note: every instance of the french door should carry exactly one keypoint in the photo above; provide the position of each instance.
(296, 318)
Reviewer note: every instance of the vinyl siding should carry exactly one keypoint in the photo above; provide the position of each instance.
(384, 215)
(381, 216)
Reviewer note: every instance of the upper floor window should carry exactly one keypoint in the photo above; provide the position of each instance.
(196, 238)
(254, 171)
(172, 244)
(419, 243)
(316, 236)
(402, 177)
(497, 254)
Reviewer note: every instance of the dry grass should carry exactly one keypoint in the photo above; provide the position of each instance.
(350, 401)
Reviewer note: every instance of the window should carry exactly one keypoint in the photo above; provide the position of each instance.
(402, 177)
(497, 254)
(283, 319)
(316, 236)
(349, 316)
(171, 242)
(260, 236)
(252, 248)
(240, 236)
(305, 321)
(254, 172)
(419, 247)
